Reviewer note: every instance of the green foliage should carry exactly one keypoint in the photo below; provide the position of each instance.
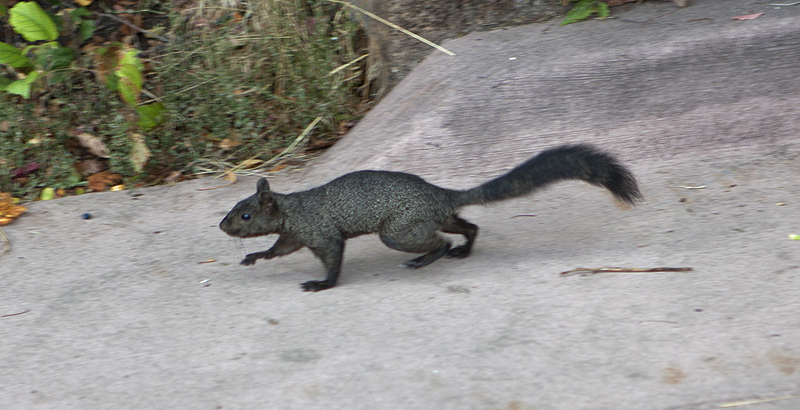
(24, 141)
(86, 27)
(256, 82)
(129, 84)
(126, 69)
(13, 56)
(129, 72)
(583, 9)
(22, 87)
(51, 59)
(51, 56)
(33, 24)
(30, 21)
(151, 115)
(127, 81)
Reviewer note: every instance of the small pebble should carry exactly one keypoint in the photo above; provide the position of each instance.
(86, 216)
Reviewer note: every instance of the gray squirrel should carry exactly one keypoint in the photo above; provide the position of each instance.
(407, 212)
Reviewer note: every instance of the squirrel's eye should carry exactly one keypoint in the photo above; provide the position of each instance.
(246, 217)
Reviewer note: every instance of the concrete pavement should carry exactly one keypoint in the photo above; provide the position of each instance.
(120, 313)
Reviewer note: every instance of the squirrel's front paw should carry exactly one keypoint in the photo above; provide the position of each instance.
(249, 259)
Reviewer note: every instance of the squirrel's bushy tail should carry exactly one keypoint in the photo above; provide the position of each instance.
(581, 162)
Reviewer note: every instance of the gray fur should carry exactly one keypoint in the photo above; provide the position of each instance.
(407, 212)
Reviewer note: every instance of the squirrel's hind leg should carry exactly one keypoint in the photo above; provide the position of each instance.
(427, 258)
(459, 226)
(416, 237)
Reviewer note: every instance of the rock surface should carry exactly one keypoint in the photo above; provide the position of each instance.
(394, 54)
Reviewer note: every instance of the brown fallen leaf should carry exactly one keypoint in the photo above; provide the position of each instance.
(101, 180)
(747, 17)
(94, 144)
(9, 211)
(139, 152)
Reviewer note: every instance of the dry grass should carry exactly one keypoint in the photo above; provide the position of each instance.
(246, 82)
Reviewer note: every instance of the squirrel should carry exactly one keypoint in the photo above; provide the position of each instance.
(407, 212)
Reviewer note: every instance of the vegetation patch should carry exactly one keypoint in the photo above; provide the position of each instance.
(149, 91)
(583, 9)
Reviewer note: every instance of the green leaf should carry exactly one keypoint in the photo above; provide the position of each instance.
(127, 92)
(23, 87)
(150, 115)
(130, 58)
(13, 56)
(129, 72)
(30, 21)
(130, 83)
(581, 11)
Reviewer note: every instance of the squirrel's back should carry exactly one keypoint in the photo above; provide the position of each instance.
(362, 201)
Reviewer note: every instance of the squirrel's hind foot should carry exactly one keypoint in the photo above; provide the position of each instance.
(316, 285)
(459, 252)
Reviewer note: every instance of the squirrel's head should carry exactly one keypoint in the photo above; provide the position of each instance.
(255, 216)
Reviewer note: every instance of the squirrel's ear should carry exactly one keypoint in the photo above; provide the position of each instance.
(267, 201)
(262, 185)
(265, 197)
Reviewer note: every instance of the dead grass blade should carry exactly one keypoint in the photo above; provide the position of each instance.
(592, 271)
(394, 26)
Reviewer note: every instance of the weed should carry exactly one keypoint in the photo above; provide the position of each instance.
(584, 9)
